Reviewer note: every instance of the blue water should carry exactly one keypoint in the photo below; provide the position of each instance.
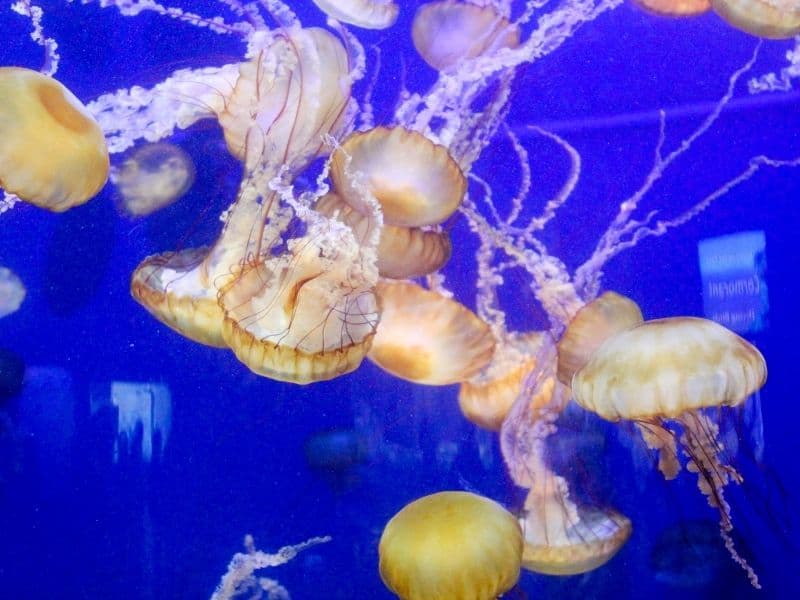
(84, 515)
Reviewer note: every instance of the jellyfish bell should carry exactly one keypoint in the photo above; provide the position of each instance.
(293, 91)
(52, 152)
(446, 33)
(774, 19)
(415, 181)
(486, 398)
(451, 545)
(12, 292)
(561, 538)
(305, 313)
(592, 325)
(177, 289)
(675, 8)
(153, 177)
(662, 375)
(369, 14)
(428, 338)
(403, 252)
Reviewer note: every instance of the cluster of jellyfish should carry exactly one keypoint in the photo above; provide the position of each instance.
(301, 287)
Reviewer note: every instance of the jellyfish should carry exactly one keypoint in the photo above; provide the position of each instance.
(152, 177)
(486, 398)
(774, 19)
(369, 14)
(592, 325)
(676, 8)
(52, 152)
(560, 536)
(415, 181)
(428, 338)
(12, 292)
(403, 252)
(451, 546)
(662, 375)
(446, 33)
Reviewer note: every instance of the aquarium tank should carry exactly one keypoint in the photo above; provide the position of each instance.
(431, 300)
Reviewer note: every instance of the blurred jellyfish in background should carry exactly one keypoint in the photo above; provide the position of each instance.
(676, 8)
(774, 19)
(12, 292)
(152, 177)
(369, 14)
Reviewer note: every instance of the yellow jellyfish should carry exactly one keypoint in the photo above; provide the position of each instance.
(451, 546)
(676, 8)
(152, 177)
(369, 14)
(177, 289)
(661, 375)
(446, 33)
(12, 292)
(415, 181)
(592, 325)
(403, 252)
(561, 537)
(427, 338)
(486, 398)
(52, 152)
(775, 19)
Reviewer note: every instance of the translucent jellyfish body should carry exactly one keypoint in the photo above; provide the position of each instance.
(777, 19)
(369, 14)
(152, 177)
(661, 375)
(427, 338)
(561, 537)
(12, 292)
(451, 546)
(446, 33)
(52, 152)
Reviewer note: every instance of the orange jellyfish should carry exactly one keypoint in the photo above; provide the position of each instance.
(775, 19)
(446, 33)
(560, 536)
(451, 546)
(676, 8)
(661, 375)
(593, 324)
(427, 338)
(152, 177)
(403, 252)
(486, 398)
(52, 152)
(369, 14)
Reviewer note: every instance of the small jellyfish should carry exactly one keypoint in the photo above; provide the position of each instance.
(369, 14)
(446, 33)
(12, 292)
(774, 19)
(427, 338)
(152, 177)
(451, 546)
(661, 375)
(403, 252)
(675, 8)
(52, 152)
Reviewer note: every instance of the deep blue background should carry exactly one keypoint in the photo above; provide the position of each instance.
(77, 526)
